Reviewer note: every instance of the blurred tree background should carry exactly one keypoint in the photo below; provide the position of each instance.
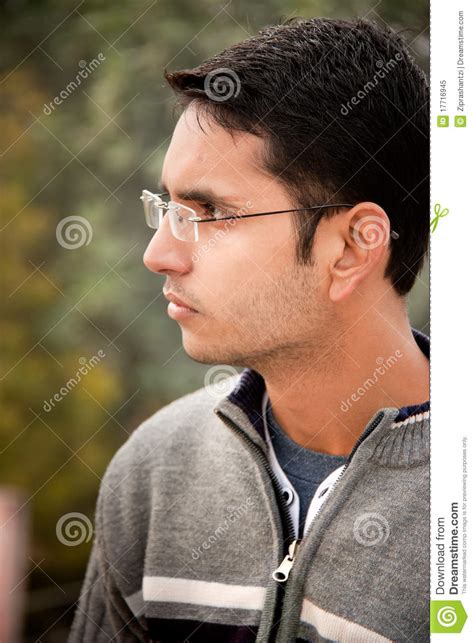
(88, 158)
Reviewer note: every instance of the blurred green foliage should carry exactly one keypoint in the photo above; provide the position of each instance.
(90, 157)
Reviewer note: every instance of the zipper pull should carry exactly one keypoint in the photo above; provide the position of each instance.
(282, 572)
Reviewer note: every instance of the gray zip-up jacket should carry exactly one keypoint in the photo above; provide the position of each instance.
(192, 534)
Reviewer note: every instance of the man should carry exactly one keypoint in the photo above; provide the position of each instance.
(296, 506)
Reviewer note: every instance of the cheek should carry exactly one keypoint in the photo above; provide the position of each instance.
(268, 239)
(218, 263)
(229, 261)
(273, 249)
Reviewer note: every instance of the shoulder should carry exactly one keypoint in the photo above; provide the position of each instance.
(148, 472)
(170, 435)
(161, 448)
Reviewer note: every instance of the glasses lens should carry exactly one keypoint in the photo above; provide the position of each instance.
(153, 209)
(181, 227)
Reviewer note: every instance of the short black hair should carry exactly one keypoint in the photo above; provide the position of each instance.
(343, 109)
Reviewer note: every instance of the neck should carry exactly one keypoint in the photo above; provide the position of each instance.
(376, 364)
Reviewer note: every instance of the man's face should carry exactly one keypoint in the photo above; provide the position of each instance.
(254, 304)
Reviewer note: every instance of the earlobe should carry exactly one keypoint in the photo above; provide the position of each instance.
(339, 289)
(345, 279)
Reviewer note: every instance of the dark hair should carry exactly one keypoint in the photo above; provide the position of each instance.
(343, 110)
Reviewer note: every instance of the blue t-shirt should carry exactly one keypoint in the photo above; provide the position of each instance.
(305, 469)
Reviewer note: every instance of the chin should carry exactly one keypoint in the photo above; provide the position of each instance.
(198, 350)
(206, 353)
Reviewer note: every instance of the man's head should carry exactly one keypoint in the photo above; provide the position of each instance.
(312, 112)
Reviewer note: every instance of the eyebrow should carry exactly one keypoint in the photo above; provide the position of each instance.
(200, 195)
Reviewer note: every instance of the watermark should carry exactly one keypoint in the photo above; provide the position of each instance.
(371, 529)
(380, 370)
(439, 214)
(222, 84)
(73, 232)
(371, 232)
(447, 617)
(205, 248)
(218, 380)
(383, 70)
(86, 365)
(86, 69)
(74, 529)
(232, 516)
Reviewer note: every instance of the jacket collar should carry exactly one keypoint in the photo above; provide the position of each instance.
(243, 405)
(405, 412)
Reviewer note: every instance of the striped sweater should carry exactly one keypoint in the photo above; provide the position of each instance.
(194, 541)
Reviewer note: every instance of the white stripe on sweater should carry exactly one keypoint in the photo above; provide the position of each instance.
(199, 592)
(418, 417)
(337, 628)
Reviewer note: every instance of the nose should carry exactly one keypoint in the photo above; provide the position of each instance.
(166, 254)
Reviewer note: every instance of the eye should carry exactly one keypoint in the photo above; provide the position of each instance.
(212, 211)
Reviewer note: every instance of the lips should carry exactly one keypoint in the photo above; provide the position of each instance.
(176, 300)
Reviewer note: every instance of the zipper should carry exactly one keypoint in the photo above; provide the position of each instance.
(282, 572)
(287, 523)
(264, 460)
(359, 441)
(368, 430)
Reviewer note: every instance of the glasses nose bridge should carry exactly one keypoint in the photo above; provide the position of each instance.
(164, 207)
(180, 227)
(163, 211)
(164, 240)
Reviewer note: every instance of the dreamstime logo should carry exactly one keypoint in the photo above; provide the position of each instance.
(382, 71)
(218, 380)
(86, 69)
(371, 529)
(74, 529)
(86, 365)
(73, 232)
(371, 232)
(233, 514)
(383, 366)
(221, 84)
(447, 616)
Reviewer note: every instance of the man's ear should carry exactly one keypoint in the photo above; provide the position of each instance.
(363, 235)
